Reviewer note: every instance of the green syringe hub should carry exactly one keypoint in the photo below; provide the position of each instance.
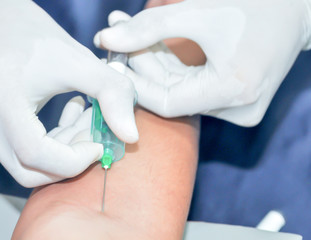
(107, 158)
(114, 148)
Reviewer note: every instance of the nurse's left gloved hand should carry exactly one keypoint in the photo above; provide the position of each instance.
(249, 45)
(39, 60)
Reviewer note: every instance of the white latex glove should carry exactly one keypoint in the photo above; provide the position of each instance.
(38, 60)
(250, 47)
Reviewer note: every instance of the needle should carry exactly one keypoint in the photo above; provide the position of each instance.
(106, 164)
(105, 179)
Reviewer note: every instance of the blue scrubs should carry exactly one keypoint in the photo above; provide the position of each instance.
(243, 172)
(246, 172)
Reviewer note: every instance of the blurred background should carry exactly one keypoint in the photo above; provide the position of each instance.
(243, 173)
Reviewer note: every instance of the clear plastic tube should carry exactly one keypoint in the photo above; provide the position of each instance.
(114, 148)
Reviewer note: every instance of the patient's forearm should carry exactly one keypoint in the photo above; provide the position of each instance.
(148, 192)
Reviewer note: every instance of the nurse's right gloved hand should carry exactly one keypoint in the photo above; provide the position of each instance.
(249, 45)
(38, 60)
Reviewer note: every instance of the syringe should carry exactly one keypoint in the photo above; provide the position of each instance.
(114, 148)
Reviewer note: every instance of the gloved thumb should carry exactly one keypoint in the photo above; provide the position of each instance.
(143, 30)
(114, 91)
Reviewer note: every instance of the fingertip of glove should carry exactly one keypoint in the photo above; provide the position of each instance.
(89, 150)
(131, 132)
(117, 16)
(107, 38)
(79, 100)
(132, 136)
(100, 150)
(103, 38)
(96, 40)
(128, 132)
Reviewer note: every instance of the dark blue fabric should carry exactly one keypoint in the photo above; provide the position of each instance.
(246, 172)
(81, 19)
(243, 172)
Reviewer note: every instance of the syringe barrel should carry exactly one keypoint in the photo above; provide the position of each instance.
(114, 148)
(102, 134)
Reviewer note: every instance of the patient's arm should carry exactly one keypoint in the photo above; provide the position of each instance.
(147, 197)
(186, 50)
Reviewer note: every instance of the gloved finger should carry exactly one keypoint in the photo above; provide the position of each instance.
(85, 119)
(82, 136)
(54, 132)
(53, 157)
(115, 93)
(25, 176)
(187, 96)
(71, 111)
(113, 18)
(70, 114)
(160, 50)
(145, 63)
(168, 59)
(157, 98)
(28, 177)
(82, 123)
(157, 65)
(76, 68)
(117, 16)
(151, 95)
(27, 136)
(118, 112)
(144, 29)
(201, 95)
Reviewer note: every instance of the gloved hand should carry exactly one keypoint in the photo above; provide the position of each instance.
(38, 60)
(250, 47)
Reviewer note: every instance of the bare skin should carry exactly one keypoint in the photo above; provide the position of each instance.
(148, 192)
(147, 197)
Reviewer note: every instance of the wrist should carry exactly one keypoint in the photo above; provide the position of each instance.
(307, 25)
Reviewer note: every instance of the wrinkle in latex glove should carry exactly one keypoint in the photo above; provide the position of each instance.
(250, 47)
(39, 60)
